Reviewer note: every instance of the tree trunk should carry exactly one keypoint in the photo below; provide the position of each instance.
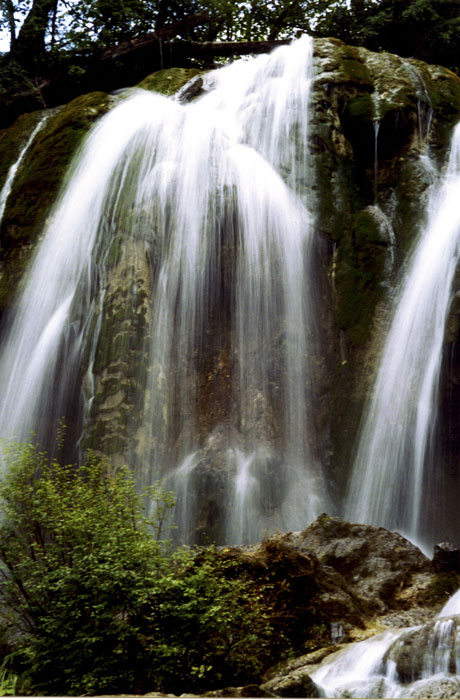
(179, 50)
(279, 22)
(9, 11)
(29, 47)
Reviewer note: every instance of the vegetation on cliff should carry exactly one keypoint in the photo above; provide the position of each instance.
(40, 26)
(94, 602)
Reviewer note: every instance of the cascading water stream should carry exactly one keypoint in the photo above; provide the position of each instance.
(376, 157)
(421, 661)
(214, 196)
(394, 468)
(41, 353)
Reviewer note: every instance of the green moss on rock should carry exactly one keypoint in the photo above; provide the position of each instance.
(342, 63)
(39, 179)
(367, 229)
(359, 269)
(443, 87)
(360, 107)
(442, 586)
(168, 81)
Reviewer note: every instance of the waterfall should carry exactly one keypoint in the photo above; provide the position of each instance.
(8, 184)
(394, 468)
(452, 607)
(202, 210)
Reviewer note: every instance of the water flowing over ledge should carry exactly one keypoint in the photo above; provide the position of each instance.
(203, 212)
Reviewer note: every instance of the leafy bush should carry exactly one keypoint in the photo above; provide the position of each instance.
(93, 602)
(212, 630)
(8, 682)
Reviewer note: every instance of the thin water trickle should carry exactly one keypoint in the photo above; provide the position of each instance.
(208, 204)
(8, 184)
(393, 469)
(424, 105)
(376, 158)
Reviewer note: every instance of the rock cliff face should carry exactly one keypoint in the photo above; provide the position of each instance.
(374, 118)
(375, 115)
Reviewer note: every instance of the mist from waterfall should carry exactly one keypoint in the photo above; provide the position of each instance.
(214, 195)
(394, 471)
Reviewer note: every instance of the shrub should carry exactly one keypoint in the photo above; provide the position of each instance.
(93, 603)
(212, 630)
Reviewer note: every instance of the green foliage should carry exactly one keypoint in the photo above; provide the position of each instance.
(8, 682)
(77, 564)
(93, 603)
(215, 630)
(424, 29)
(105, 22)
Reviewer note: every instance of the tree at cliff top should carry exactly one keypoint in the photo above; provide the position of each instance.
(425, 29)
(79, 25)
(63, 48)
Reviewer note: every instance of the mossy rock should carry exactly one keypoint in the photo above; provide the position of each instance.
(168, 81)
(45, 164)
(360, 107)
(341, 63)
(359, 273)
(443, 87)
(367, 229)
(442, 586)
(39, 179)
(412, 186)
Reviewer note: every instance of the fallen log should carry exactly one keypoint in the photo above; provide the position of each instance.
(119, 66)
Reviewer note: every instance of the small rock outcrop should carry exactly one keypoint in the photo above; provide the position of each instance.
(342, 578)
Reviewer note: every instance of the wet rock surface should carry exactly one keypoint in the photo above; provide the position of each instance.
(358, 579)
(343, 578)
(292, 685)
(446, 557)
(377, 564)
(442, 688)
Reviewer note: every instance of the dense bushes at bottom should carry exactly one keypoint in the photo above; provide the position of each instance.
(93, 603)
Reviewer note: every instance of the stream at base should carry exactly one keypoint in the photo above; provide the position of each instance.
(415, 662)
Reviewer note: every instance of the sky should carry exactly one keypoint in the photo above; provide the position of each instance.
(4, 42)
